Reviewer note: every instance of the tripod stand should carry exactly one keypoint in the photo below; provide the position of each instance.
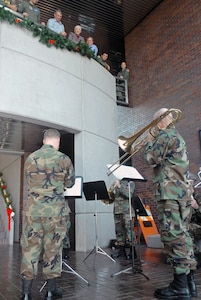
(71, 271)
(134, 268)
(96, 190)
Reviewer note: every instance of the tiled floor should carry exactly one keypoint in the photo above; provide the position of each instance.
(99, 276)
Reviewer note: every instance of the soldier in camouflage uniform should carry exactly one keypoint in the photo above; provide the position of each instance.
(166, 153)
(47, 172)
(122, 216)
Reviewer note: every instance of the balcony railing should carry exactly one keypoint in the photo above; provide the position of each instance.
(121, 91)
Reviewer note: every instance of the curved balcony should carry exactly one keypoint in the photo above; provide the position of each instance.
(62, 89)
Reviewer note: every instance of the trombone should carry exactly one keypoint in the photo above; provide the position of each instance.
(128, 146)
(111, 193)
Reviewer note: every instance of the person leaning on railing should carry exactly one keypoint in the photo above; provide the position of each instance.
(75, 36)
(124, 73)
(102, 59)
(55, 23)
(122, 76)
(92, 46)
(30, 10)
(10, 4)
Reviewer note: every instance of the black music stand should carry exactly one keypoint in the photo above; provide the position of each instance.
(96, 190)
(140, 210)
(130, 174)
(76, 192)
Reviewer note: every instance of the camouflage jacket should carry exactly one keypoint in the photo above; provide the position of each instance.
(121, 202)
(168, 157)
(47, 172)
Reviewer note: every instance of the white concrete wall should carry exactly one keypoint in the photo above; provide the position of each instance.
(59, 88)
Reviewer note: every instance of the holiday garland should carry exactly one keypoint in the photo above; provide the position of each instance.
(7, 199)
(46, 36)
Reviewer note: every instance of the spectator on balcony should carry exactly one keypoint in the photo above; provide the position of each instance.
(30, 10)
(55, 23)
(124, 73)
(10, 4)
(121, 86)
(75, 36)
(103, 60)
(92, 46)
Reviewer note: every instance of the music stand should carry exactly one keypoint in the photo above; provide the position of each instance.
(74, 191)
(130, 174)
(140, 210)
(96, 190)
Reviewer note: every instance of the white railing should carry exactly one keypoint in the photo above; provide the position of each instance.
(121, 91)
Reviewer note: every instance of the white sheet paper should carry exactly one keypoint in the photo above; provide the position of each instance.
(125, 172)
(75, 190)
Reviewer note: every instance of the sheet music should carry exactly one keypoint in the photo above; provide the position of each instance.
(76, 189)
(125, 172)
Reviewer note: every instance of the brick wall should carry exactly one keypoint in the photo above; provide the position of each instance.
(164, 57)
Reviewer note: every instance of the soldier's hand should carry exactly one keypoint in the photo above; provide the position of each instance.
(194, 204)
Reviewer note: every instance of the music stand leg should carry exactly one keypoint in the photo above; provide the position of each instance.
(72, 271)
(101, 251)
(134, 269)
(92, 251)
(96, 248)
(139, 244)
(42, 287)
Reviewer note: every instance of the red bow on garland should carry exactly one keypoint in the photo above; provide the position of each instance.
(9, 213)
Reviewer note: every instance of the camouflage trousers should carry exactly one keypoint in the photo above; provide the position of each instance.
(173, 219)
(123, 229)
(42, 233)
(66, 241)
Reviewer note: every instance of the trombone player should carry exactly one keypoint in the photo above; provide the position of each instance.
(120, 193)
(165, 152)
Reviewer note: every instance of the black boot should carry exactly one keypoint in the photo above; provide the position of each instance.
(53, 291)
(191, 284)
(178, 289)
(121, 252)
(129, 256)
(26, 289)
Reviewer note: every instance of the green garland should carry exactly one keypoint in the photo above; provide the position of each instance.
(46, 36)
(9, 208)
(4, 192)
